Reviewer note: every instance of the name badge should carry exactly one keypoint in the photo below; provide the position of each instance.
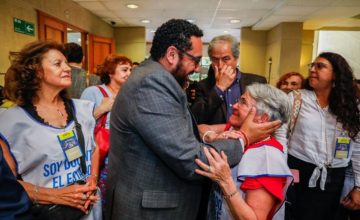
(70, 145)
(342, 147)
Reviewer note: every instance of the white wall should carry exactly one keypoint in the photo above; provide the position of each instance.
(346, 43)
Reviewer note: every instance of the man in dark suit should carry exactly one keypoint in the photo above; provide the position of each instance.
(153, 137)
(216, 94)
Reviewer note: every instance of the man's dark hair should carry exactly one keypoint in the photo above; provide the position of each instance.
(73, 53)
(175, 32)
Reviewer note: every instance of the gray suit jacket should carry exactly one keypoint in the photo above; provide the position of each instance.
(153, 148)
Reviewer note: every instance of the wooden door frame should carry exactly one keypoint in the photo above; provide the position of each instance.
(92, 39)
(43, 20)
(61, 24)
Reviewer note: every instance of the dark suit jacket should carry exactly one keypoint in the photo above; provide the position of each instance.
(208, 107)
(14, 202)
(153, 148)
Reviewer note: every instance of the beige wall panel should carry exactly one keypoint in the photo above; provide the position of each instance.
(131, 42)
(135, 51)
(273, 51)
(291, 44)
(284, 47)
(290, 56)
(253, 51)
(252, 59)
(306, 51)
(10, 40)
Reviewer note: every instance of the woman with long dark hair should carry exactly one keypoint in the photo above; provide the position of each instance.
(325, 138)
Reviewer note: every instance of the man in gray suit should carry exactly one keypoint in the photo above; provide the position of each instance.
(154, 139)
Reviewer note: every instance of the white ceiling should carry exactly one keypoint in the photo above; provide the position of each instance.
(213, 16)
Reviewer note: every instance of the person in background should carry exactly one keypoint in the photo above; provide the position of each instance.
(79, 80)
(4, 103)
(113, 72)
(290, 81)
(40, 144)
(14, 202)
(154, 138)
(75, 57)
(328, 125)
(215, 95)
(262, 174)
(135, 64)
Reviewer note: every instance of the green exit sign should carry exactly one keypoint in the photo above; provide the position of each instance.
(24, 27)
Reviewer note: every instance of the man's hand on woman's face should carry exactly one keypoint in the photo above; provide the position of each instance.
(258, 131)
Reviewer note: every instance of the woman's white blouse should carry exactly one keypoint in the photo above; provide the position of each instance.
(314, 140)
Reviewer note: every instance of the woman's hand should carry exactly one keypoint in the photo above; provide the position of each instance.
(107, 103)
(218, 169)
(76, 196)
(104, 107)
(352, 200)
(92, 180)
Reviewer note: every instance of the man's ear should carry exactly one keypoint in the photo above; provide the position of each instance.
(172, 56)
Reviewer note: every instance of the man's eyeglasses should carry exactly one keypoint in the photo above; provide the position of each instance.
(318, 66)
(197, 60)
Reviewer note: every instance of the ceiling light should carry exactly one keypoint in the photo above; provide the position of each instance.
(132, 6)
(234, 21)
(152, 31)
(225, 32)
(191, 20)
(145, 21)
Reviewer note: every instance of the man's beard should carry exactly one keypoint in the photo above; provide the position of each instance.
(182, 79)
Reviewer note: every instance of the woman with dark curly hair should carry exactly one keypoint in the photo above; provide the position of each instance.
(42, 143)
(325, 138)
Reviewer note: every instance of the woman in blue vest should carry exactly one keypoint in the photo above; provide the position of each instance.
(41, 143)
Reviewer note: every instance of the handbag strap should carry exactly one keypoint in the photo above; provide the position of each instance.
(294, 112)
(102, 90)
(80, 136)
(104, 116)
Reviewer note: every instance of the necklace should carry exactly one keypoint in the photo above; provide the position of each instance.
(45, 114)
